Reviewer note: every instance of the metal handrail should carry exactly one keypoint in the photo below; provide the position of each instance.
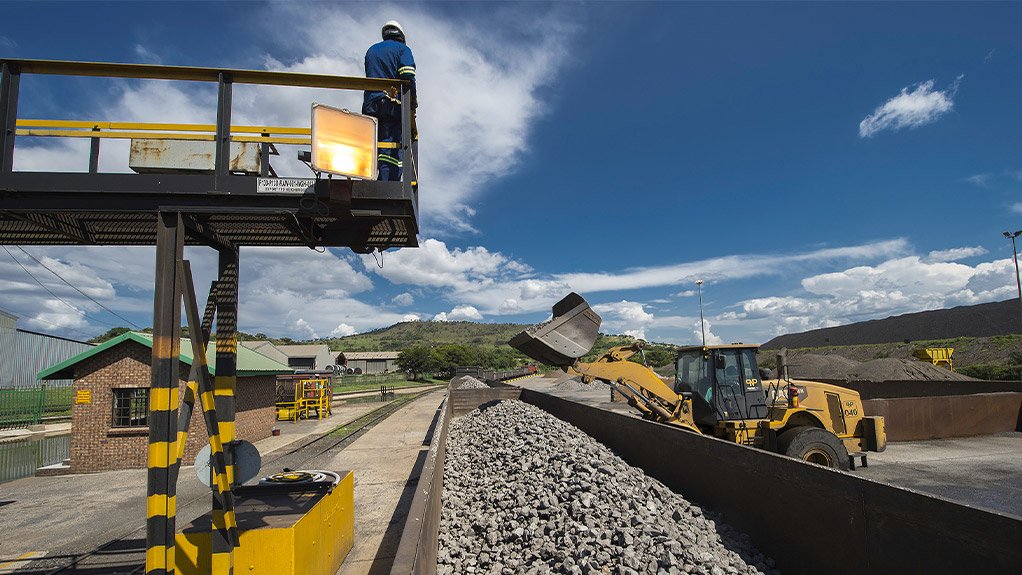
(193, 132)
(199, 74)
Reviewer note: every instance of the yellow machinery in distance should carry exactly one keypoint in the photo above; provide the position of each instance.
(719, 391)
(939, 356)
(301, 398)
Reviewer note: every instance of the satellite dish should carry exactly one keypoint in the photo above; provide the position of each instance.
(247, 462)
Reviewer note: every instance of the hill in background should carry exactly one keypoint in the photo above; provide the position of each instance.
(406, 334)
(983, 320)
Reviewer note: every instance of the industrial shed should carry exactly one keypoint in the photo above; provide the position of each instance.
(370, 361)
(314, 357)
(24, 353)
(109, 428)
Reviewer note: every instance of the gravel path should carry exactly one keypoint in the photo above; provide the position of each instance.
(525, 492)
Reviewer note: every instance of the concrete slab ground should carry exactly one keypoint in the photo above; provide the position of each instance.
(982, 471)
(46, 522)
(387, 461)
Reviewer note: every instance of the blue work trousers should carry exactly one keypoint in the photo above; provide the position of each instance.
(388, 113)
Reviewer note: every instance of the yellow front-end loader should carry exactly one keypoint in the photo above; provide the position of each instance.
(718, 390)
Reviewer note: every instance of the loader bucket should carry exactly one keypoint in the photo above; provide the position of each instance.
(568, 336)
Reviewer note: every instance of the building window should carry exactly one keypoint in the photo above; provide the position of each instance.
(301, 362)
(131, 407)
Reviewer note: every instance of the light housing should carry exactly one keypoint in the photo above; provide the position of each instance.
(343, 142)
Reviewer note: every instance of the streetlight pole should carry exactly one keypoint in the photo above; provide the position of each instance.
(1014, 253)
(702, 324)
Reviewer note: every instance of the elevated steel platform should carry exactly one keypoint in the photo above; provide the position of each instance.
(222, 208)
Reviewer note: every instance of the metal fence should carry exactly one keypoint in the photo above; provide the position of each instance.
(22, 457)
(24, 405)
(377, 379)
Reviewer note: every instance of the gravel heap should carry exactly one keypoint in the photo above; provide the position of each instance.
(575, 383)
(810, 366)
(525, 492)
(467, 382)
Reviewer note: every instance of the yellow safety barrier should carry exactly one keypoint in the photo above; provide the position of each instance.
(283, 135)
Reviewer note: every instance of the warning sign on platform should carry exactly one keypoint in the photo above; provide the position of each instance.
(83, 396)
(283, 185)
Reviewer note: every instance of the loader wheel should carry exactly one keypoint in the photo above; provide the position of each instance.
(814, 445)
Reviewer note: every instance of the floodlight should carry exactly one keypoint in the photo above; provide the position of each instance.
(343, 142)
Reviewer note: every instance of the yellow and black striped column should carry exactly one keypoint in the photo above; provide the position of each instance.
(161, 488)
(187, 406)
(224, 387)
(224, 522)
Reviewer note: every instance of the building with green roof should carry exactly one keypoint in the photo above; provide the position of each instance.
(109, 418)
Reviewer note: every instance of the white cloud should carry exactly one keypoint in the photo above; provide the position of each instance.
(686, 293)
(1017, 207)
(442, 316)
(479, 90)
(981, 180)
(403, 299)
(343, 330)
(955, 254)
(464, 313)
(302, 327)
(411, 317)
(894, 287)
(147, 56)
(915, 106)
(434, 265)
(698, 331)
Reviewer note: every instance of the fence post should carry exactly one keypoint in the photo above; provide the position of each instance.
(42, 402)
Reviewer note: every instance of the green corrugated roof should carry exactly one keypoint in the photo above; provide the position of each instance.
(249, 362)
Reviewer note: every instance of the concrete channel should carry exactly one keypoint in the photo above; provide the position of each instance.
(808, 518)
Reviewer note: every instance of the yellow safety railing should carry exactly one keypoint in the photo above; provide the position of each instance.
(163, 131)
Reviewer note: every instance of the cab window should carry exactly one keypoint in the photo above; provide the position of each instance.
(693, 374)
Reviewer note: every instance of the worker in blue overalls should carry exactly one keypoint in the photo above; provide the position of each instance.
(392, 59)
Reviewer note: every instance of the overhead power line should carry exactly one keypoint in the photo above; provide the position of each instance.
(48, 290)
(112, 312)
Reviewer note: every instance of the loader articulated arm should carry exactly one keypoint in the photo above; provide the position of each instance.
(643, 388)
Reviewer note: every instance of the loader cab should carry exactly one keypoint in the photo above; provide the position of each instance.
(724, 382)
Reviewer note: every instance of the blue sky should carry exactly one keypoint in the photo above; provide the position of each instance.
(815, 164)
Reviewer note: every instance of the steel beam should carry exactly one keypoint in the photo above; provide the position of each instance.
(161, 488)
(222, 157)
(224, 384)
(206, 233)
(10, 81)
(197, 74)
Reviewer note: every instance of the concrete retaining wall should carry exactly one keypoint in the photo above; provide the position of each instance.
(917, 418)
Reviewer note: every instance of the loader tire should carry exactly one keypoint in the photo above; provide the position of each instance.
(814, 445)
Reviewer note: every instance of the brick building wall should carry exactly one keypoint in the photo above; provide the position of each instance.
(98, 446)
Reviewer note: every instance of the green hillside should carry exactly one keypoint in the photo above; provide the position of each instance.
(406, 334)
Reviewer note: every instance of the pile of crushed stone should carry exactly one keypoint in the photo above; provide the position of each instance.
(817, 366)
(467, 382)
(525, 492)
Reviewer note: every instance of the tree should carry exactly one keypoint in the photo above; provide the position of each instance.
(417, 360)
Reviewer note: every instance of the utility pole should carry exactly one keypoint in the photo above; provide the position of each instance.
(702, 324)
(1014, 253)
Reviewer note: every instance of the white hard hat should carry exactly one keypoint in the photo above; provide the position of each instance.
(392, 24)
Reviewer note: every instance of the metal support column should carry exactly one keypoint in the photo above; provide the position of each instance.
(222, 159)
(10, 80)
(223, 391)
(161, 485)
(408, 166)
